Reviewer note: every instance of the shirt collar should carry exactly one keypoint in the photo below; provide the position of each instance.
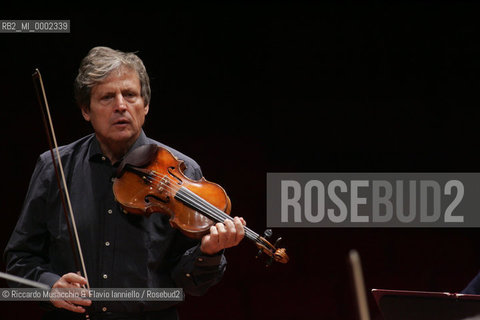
(95, 152)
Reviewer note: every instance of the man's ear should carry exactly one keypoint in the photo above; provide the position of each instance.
(85, 113)
(147, 107)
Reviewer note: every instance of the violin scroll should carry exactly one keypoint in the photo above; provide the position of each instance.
(276, 254)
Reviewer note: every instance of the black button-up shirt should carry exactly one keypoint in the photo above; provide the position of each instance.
(120, 250)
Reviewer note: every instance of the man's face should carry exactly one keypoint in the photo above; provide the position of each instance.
(117, 110)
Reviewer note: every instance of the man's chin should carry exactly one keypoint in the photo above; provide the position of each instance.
(121, 138)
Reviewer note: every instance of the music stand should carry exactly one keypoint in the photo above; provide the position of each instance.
(423, 305)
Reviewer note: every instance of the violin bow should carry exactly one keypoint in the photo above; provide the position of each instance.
(59, 173)
(27, 282)
(359, 285)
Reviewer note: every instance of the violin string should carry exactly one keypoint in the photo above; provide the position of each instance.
(216, 213)
(194, 200)
(208, 209)
(191, 198)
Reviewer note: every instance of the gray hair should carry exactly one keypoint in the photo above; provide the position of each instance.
(98, 64)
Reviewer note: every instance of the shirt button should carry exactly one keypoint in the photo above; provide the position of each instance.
(104, 309)
(105, 276)
(107, 244)
(188, 275)
(200, 259)
(110, 211)
(103, 158)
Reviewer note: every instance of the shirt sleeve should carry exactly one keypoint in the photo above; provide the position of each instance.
(196, 272)
(26, 254)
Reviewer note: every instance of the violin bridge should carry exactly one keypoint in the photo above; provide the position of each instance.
(163, 184)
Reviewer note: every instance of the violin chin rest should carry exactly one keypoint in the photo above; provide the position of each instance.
(139, 157)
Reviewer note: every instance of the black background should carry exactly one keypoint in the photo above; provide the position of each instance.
(247, 88)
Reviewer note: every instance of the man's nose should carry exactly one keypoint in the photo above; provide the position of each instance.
(120, 103)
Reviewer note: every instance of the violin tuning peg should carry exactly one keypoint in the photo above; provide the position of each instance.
(268, 233)
(277, 242)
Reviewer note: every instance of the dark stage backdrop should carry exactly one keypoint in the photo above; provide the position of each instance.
(248, 88)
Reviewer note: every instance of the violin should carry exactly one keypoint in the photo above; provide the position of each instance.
(150, 179)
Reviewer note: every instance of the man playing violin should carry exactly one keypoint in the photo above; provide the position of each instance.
(120, 250)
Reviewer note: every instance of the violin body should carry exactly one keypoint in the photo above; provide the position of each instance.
(141, 193)
(151, 180)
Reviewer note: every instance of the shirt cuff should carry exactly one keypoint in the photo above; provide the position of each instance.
(49, 278)
(203, 259)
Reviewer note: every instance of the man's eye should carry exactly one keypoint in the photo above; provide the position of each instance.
(107, 97)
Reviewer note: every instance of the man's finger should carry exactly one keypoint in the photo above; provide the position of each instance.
(68, 306)
(214, 234)
(77, 295)
(243, 221)
(222, 233)
(239, 230)
(230, 227)
(74, 278)
(81, 302)
(232, 232)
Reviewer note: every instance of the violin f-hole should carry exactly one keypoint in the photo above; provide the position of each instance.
(170, 169)
(148, 196)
